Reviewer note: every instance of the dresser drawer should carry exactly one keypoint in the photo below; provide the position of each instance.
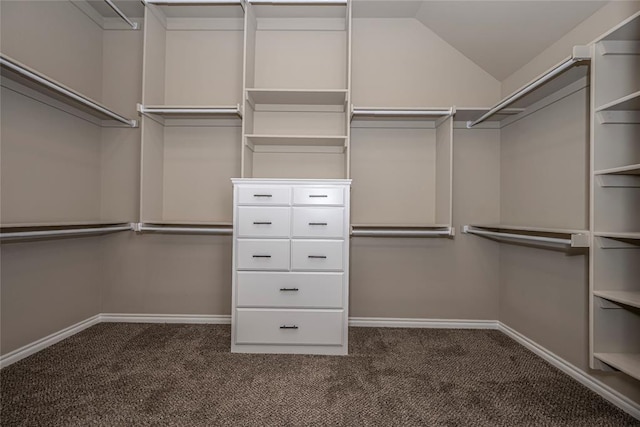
(265, 254)
(263, 221)
(317, 255)
(300, 327)
(318, 222)
(264, 195)
(302, 290)
(318, 196)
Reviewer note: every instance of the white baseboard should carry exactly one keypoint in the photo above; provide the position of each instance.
(47, 341)
(211, 319)
(390, 322)
(582, 377)
(574, 372)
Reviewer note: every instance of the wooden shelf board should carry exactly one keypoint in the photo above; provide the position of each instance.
(57, 91)
(626, 103)
(623, 170)
(299, 140)
(625, 297)
(629, 363)
(297, 96)
(630, 236)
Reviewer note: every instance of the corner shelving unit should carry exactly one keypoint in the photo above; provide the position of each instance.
(296, 90)
(20, 78)
(402, 170)
(191, 113)
(615, 201)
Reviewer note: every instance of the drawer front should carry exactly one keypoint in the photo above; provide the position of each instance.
(302, 290)
(318, 196)
(263, 221)
(263, 254)
(300, 327)
(318, 222)
(264, 195)
(317, 255)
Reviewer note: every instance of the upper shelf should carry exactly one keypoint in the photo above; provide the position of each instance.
(201, 9)
(297, 96)
(553, 236)
(627, 30)
(402, 230)
(559, 76)
(111, 16)
(626, 103)
(191, 112)
(15, 71)
(623, 170)
(375, 113)
(299, 8)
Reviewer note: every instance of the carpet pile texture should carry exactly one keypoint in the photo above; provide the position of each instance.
(184, 375)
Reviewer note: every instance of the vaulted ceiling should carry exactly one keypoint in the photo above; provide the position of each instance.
(499, 35)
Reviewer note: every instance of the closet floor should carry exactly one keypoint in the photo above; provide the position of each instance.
(184, 375)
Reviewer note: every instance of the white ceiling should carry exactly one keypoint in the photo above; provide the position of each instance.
(499, 36)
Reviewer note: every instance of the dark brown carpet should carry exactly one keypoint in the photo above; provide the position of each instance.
(184, 375)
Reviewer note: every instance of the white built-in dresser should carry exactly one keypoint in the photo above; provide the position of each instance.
(290, 266)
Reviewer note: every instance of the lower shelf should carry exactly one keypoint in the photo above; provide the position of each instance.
(624, 297)
(629, 363)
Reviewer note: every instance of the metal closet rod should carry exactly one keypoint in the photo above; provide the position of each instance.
(392, 232)
(469, 230)
(32, 75)
(116, 9)
(64, 232)
(220, 231)
(560, 68)
(399, 112)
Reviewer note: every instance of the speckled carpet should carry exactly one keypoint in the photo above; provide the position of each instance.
(184, 375)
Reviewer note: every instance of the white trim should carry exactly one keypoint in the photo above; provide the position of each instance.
(574, 372)
(389, 322)
(49, 340)
(212, 319)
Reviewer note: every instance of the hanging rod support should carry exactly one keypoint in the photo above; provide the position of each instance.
(116, 9)
(580, 54)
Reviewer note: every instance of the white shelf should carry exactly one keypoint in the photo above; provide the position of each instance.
(626, 103)
(554, 236)
(295, 9)
(56, 91)
(402, 230)
(222, 229)
(629, 363)
(626, 30)
(628, 236)
(623, 170)
(191, 112)
(199, 8)
(297, 140)
(467, 114)
(624, 297)
(297, 96)
(384, 113)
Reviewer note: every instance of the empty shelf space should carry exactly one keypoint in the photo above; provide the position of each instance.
(629, 298)
(57, 92)
(385, 113)
(191, 112)
(296, 140)
(555, 236)
(623, 170)
(296, 97)
(626, 103)
(629, 363)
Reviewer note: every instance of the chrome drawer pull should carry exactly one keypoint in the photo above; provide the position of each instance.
(317, 223)
(289, 289)
(262, 223)
(262, 195)
(262, 256)
(289, 327)
(318, 256)
(318, 195)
